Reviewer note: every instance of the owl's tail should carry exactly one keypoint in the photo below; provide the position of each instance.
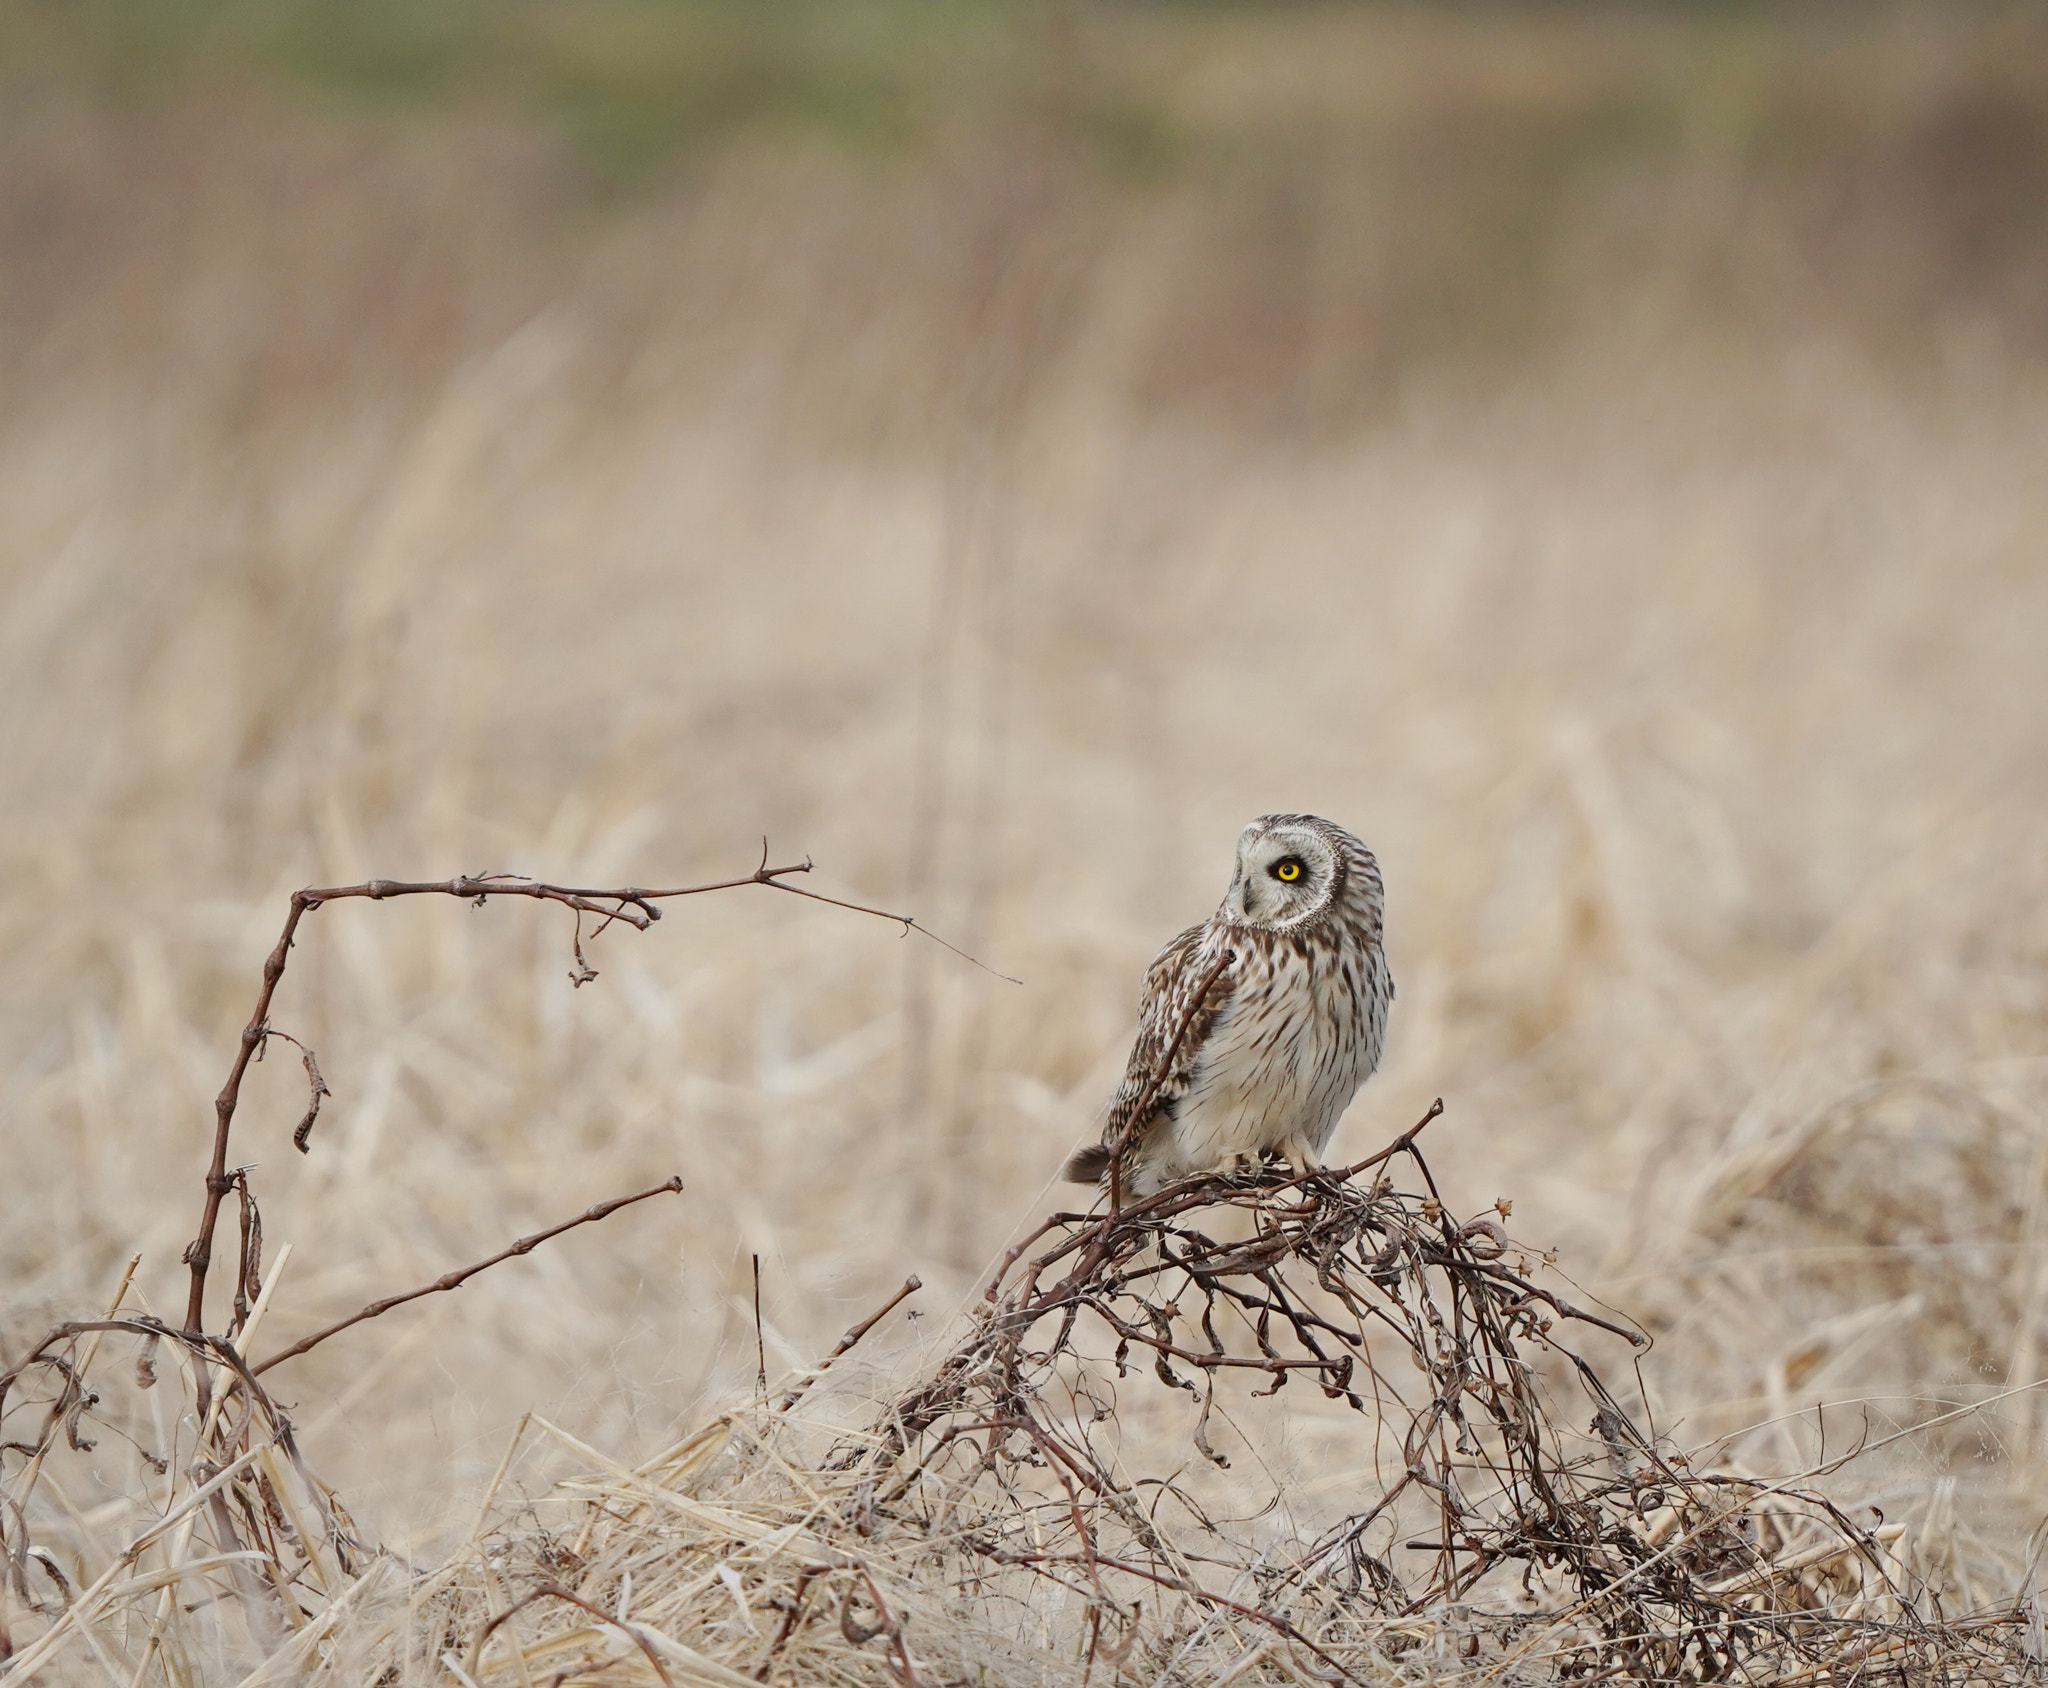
(1087, 1166)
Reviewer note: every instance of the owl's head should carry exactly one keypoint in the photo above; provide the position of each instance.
(1294, 869)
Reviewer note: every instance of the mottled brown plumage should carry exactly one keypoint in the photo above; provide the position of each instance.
(1259, 1025)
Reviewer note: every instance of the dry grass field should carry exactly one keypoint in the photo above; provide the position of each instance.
(1596, 455)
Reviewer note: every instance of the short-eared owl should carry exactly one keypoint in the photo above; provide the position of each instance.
(1259, 1024)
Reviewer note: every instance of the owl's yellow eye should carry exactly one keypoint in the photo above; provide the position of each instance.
(1287, 869)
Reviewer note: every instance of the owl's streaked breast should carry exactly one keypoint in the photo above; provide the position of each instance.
(1301, 1031)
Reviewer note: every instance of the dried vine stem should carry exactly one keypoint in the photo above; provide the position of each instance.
(258, 1491)
(637, 906)
(456, 1279)
(233, 1469)
(555, 1591)
(797, 1390)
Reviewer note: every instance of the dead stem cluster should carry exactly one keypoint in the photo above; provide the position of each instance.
(994, 1521)
(278, 1535)
(1479, 1516)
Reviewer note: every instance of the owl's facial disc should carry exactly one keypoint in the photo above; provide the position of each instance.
(1284, 876)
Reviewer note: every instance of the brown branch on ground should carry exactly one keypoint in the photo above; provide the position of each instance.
(260, 1502)
(885, 1624)
(248, 1453)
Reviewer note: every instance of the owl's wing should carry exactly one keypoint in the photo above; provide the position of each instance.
(1172, 983)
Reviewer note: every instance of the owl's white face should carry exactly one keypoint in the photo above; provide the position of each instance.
(1285, 875)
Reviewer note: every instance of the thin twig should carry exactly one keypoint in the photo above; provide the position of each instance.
(199, 1253)
(1182, 1585)
(792, 1615)
(911, 1285)
(908, 922)
(455, 1280)
(760, 1341)
(555, 1591)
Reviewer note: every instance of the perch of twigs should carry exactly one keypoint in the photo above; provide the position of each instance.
(1001, 1493)
(1448, 1343)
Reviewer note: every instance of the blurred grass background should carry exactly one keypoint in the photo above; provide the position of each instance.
(1593, 451)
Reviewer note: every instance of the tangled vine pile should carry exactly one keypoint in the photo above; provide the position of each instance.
(1484, 1525)
(983, 1525)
